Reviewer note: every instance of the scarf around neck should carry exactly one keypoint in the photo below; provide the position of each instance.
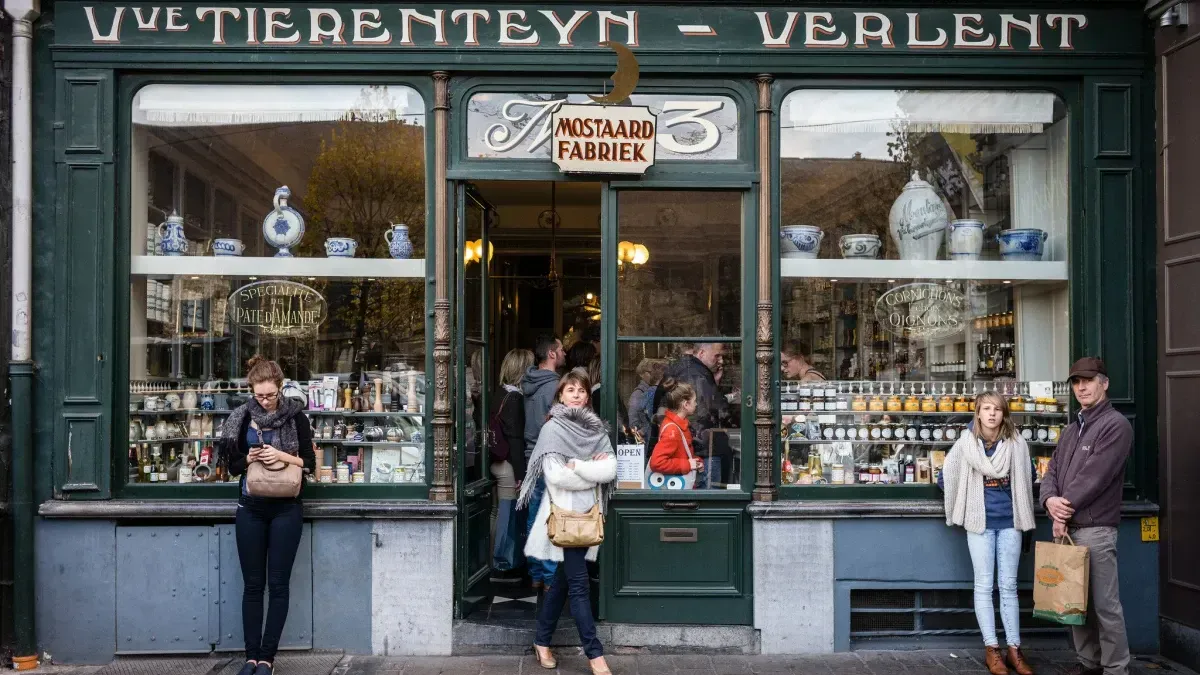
(966, 469)
(282, 419)
(569, 433)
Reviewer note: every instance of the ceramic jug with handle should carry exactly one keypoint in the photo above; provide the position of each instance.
(399, 245)
(172, 240)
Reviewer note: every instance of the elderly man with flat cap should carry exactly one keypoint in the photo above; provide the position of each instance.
(1082, 493)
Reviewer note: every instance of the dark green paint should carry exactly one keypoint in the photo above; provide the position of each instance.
(24, 509)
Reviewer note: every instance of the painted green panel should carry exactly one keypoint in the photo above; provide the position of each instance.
(1113, 113)
(85, 469)
(85, 303)
(85, 113)
(1114, 214)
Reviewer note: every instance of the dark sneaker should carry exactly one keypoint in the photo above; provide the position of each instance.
(263, 668)
(248, 668)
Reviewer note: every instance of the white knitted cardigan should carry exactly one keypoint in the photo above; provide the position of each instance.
(966, 468)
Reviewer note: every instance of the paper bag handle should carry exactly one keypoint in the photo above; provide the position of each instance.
(1067, 538)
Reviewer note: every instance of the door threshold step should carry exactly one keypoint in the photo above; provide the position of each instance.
(516, 637)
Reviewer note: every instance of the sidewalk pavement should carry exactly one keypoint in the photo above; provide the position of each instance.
(571, 661)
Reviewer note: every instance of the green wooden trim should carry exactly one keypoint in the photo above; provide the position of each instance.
(858, 492)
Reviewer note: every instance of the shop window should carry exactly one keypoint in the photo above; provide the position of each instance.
(288, 222)
(924, 246)
(679, 309)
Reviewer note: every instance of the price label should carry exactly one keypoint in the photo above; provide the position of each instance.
(1150, 528)
(1041, 389)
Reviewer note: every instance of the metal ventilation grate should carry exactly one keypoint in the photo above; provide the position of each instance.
(897, 613)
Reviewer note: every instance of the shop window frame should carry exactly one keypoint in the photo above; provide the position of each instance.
(1080, 255)
(127, 86)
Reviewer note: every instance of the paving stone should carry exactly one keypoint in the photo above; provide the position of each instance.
(882, 663)
(731, 665)
(692, 662)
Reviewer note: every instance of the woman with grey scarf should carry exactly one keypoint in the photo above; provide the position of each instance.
(268, 428)
(574, 454)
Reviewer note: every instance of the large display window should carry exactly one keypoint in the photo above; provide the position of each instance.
(289, 222)
(924, 243)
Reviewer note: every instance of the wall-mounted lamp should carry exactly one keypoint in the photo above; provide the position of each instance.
(634, 254)
(473, 251)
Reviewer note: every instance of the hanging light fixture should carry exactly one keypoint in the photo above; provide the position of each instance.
(634, 254)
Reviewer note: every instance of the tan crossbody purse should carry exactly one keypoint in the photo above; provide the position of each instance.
(571, 529)
(278, 479)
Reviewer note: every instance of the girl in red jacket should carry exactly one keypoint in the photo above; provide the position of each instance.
(673, 453)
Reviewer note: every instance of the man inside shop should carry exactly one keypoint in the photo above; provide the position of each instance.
(1082, 493)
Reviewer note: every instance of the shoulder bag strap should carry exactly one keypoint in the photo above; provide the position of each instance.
(683, 437)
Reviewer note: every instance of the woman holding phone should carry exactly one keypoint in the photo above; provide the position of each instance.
(268, 428)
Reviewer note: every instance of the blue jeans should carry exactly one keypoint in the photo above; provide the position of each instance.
(991, 550)
(539, 570)
(570, 582)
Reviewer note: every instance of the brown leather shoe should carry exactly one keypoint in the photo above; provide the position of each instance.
(1016, 661)
(995, 661)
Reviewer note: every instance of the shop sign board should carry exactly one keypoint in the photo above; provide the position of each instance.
(277, 308)
(603, 139)
(922, 310)
(667, 29)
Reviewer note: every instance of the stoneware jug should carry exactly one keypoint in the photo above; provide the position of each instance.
(284, 226)
(172, 239)
(227, 247)
(399, 245)
(918, 221)
(966, 239)
(805, 238)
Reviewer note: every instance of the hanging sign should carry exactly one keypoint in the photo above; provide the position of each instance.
(603, 139)
(922, 310)
(278, 308)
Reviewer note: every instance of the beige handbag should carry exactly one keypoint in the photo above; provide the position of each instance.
(571, 529)
(278, 479)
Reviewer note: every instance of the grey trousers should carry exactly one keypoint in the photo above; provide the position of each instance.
(1101, 641)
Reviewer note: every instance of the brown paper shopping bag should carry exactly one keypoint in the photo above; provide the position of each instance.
(1060, 582)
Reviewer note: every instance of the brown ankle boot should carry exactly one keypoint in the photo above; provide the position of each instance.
(1016, 660)
(995, 661)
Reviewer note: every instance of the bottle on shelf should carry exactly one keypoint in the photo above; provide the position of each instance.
(144, 466)
(910, 470)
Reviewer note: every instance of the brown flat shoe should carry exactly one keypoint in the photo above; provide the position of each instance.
(544, 658)
(995, 661)
(1016, 661)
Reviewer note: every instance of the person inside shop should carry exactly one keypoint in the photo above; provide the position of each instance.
(641, 399)
(575, 459)
(1081, 491)
(538, 387)
(793, 358)
(271, 429)
(580, 355)
(697, 367)
(673, 454)
(988, 484)
(594, 372)
(506, 429)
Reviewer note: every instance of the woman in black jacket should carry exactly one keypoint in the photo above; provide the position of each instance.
(508, 410)
(267, 428)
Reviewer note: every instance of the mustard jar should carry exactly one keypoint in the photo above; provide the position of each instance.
(946, 404)
(912, 404)
(928, 404)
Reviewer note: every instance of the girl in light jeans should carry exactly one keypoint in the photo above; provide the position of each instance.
(988, 485)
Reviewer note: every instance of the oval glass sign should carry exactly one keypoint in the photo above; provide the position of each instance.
(277, 307)
(922, 310)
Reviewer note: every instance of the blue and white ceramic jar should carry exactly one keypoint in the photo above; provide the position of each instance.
(801, 241)
(399, 245)
(172, 240)
(227, 247)
(918, 221)
(966, 239)
(284, 227)
(1022, 243)
(340, 247)
(860, 246)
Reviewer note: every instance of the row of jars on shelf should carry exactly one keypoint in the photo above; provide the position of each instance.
(831, 400)
(803, 428)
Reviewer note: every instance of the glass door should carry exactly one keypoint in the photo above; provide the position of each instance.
(682, 348)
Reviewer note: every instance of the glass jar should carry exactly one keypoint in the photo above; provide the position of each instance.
(876, 431)
(951, 433)
(1031, 404)
(946, 403)
(876, 473)
(828, 432)
(928, 403)
(961, 404)
(1027, 432)
(1043, 433)
(885, 431)
(843, 402)
(863, 432)
(939, 433)
(804, 404)
(912, 404)
(1053, 433)
(876, 403)
(926, 433)
(1016, 404)
(839, 432)
(859, 403)
(910, 431)
(894, 404)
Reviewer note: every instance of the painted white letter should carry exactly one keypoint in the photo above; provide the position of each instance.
(1033, 27)
(1066, 19)
(114, 33)
(784, 39)
(362, 23)
(630, 21)
(317, 35)
(472, 17)
(914, 35)
(274, 23)
(825, 27)
(218, 20)
(407, 16)
(147, 24)
(862, 34)
(174, 14)
(964, 33)
(565, 29)
(508, 25)
(251, 25)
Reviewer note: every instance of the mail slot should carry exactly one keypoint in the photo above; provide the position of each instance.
(677, 535)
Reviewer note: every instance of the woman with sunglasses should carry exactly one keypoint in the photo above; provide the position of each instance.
(267, 428)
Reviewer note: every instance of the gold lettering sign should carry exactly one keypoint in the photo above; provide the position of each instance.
(922, 310)
(278, 308)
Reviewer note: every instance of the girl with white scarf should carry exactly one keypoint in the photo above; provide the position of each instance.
(988, 487)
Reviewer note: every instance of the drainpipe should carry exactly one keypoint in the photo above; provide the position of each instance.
(23, 13)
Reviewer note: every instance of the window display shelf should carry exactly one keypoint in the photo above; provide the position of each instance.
(347, 413)
(914, 413)
(859, 441)
(231, 266)
(971, 270)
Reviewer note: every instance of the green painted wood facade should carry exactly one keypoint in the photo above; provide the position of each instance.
(83, 92)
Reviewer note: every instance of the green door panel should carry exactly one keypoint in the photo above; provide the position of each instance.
(671, 567)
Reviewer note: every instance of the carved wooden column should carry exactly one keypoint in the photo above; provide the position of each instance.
(764, 477)
(442, 489)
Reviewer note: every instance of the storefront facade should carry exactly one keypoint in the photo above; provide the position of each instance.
(920, 204)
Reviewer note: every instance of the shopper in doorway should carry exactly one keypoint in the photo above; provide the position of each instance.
(506, 430)
(538, 387)
(793, 358)
(1082, 493)
(988, 485)
(574, 455)
(641, 399)
(697, 367)
(673, 455)
(267, 428)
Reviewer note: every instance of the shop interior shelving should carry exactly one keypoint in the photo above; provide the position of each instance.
(974, 270)
(234, 266)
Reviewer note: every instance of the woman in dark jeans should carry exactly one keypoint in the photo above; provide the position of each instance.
(266, 428)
